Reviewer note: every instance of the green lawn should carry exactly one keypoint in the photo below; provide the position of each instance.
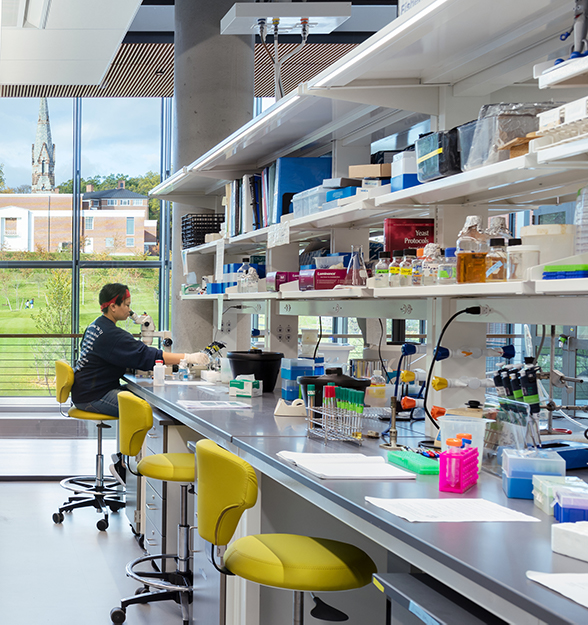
(27, 364)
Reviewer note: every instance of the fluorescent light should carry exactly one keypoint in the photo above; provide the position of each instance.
(378, 44)
(243, 133)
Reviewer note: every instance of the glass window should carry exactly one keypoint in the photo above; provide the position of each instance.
(10, 226)
(109, 242)
(89, 223)
(125, 202)
(130, 225)
(137, 202)
(111, 202)
(95, 203)
(130, 241)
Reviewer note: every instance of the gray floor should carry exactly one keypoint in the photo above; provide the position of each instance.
(68, 574)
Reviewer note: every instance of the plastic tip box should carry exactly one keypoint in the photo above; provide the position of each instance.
(519, 466)
(544, 487)
(571, 504)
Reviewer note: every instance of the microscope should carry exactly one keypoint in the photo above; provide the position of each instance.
(148, 333)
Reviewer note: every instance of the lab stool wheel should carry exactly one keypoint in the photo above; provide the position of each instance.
(118, 615)
(58, 517)
(102, 525)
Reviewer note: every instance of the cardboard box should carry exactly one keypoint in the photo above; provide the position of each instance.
(275, 279)
(245, 388)
(320, 279)
(383, 170)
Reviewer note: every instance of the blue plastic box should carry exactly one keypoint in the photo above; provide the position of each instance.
(569, 515)
(404, 181)
(337, 194)
(519, 486)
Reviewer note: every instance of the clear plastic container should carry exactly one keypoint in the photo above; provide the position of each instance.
(417, 267)
(394, 267)
(381, 271)
(247, 280)
(496, 261)
(526, 463)
(447, 272)
(326, 262)
(472, 247)
(183, 370)
(431, 261)
(406, 267)
(375, 394)
(581, 221)
(520, 258)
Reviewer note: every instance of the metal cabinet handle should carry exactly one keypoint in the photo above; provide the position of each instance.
(151, 542)
(149, 435)
(151, 506)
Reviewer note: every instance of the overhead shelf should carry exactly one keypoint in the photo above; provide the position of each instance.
(571, 73)
(477, 47)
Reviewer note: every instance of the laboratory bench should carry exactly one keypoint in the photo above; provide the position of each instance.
(484, 562)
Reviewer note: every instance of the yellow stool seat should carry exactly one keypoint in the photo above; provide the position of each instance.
(89, 416)
(169, 467)
(299, 563)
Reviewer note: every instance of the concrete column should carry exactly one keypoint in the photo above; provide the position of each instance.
(213, 97)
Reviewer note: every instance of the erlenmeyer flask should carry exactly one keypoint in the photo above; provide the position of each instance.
(356, 271)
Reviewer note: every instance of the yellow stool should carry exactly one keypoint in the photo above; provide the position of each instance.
(89, 490)
(227, 486)
(135, 420)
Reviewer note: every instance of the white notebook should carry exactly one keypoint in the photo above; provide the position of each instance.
(346, 466)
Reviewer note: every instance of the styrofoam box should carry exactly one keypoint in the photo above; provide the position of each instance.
(551, 119)
(576, 111)
(570, 539)
(404, 163)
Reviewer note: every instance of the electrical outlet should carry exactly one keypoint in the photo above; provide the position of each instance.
(226, 326)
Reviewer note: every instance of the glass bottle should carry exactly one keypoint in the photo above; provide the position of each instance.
(356, 271)
(431, 261)
(496, 261)
(375, 393)
(242, 276)
(394, 268)
(497, 228)
(472, 248)
(417, 267)
(406, 267)
(447, 273)
(381, 270)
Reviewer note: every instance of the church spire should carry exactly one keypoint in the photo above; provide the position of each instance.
(43, 153)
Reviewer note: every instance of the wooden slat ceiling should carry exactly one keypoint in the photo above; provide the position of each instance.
(146, 70)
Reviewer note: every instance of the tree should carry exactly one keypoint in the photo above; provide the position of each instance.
(55, 318)
(2, 179)
(138, 184)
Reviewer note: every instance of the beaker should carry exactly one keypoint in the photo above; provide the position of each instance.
(356, 271)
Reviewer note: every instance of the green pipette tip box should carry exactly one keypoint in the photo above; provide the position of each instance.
(414, 462)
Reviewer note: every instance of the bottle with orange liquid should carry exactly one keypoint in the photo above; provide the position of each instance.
(472, 247)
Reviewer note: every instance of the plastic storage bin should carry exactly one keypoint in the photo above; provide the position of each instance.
(554, 241)
(326, 262)
(497, 125)
(294, 367)
(195, 226)
(290, 389)
(465, 138)
(309, 201)
(452, 425)
(437, 155)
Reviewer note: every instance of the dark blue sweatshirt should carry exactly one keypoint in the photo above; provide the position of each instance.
(106, 353)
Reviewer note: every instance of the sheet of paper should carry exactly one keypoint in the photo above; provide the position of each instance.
(355, 470)
(449, 510)
(213, 405)
(574, 586)
(188, 382)
(295, 456)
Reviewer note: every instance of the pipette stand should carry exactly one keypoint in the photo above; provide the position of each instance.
(393, 444)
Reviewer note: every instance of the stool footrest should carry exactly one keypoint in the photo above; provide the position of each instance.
(165, 579)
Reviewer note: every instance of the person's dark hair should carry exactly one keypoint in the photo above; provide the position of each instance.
(114, 293)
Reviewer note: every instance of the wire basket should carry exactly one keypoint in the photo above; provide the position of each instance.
(337, 424)
(195, 227)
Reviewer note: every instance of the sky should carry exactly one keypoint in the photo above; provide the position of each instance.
(119, 136)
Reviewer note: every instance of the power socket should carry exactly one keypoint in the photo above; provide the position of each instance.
(226, 326)
(285, 334)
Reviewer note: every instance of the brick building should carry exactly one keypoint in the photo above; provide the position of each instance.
(114, 221)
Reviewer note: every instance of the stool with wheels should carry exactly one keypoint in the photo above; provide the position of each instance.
(227, 486)
(97, 491)
(135, 420)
